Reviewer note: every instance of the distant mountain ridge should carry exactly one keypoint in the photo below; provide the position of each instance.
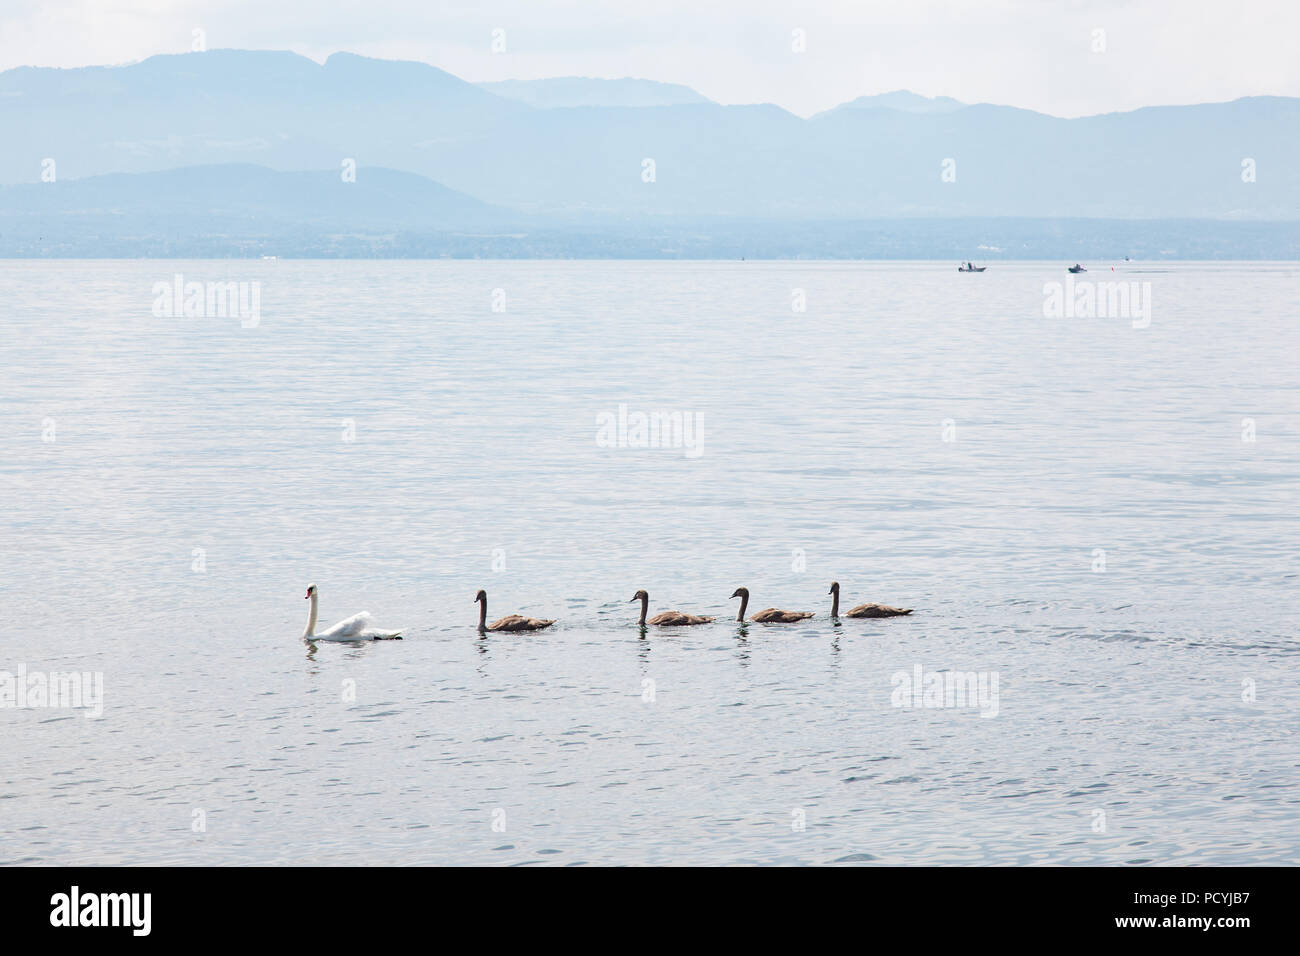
(255, 196)
(236, 210)
(891, 156)
(905, 101)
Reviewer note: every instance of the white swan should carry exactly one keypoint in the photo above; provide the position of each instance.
(358, 627)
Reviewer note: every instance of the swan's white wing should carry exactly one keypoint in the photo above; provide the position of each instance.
(352, 628)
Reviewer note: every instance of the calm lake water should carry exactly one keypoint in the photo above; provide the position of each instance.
(1074, 506)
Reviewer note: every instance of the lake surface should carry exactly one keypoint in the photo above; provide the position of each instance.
(1075, 507)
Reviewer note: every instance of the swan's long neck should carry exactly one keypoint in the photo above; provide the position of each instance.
(311, 617)
(744, 603)
(482, 613)
(835, 603)
(645, 604)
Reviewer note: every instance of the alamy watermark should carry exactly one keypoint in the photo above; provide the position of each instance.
(75, 908)
(658, 428)
(1085, 299)
(212, 300)
(55, 689)
(946, 689)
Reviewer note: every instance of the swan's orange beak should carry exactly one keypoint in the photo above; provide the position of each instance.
(306, 596)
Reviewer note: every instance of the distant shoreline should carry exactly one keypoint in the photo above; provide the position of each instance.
(107, 236)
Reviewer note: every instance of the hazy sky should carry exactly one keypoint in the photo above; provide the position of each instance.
(1032, 54)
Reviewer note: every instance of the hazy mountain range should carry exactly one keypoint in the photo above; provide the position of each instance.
(436, 154)
(903, 100)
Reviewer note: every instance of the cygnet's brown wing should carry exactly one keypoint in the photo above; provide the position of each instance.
(774, 616)
(678, 619)
(878, 610)
(514, 622)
